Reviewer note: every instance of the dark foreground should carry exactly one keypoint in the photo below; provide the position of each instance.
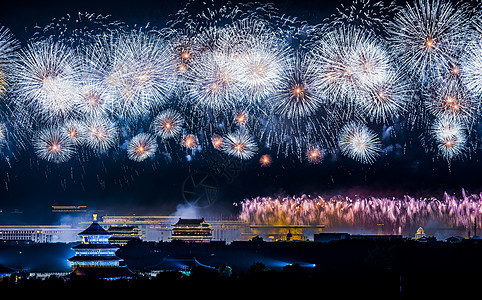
(383, 269)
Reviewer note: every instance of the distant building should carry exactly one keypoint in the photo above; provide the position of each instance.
(95, 257)
(121, 235)
(69, 208)
(192, 230)
(270, 232)
(37, 233)
(420, 233)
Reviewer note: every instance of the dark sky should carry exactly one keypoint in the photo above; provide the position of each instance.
(119, 185)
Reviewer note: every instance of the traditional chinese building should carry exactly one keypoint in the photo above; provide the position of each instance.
(192, 230)
(95, 257)
(420, 233)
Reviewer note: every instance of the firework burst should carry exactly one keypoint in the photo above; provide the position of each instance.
(101, 134)
(46, 79)
(240, 144)
(358, 142)
(167, 124)
(450, 137)
(53, 145)
(429, 34)
(141, 147)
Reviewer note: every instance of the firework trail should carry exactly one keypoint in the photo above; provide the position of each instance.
(399, 216)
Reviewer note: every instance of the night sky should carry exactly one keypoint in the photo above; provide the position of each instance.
(157, 187)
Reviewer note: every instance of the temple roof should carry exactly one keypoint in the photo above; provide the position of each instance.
(191, 222)
(94, 246)
(95, 229)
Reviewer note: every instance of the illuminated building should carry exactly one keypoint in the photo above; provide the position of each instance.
(95, 256)
(121, 235)
(283, 232)
(420, 233)
(192, 230)
(69, 208)
(37, 233)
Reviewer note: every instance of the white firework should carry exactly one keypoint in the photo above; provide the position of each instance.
(450, 137)
(350, 60)
(360, 143)
(167, 124)
(385, 99)
(141, 147)
(95, 100)
(135, 68)
(240, 144)
(47, 77)
(450, 98)
(75, 131)
(8, 47)
(101, 134)
(261, 57)
(298, 94)
(3, 134)
(53, 145)
(213, 83)
(471, 67)
(428, 34)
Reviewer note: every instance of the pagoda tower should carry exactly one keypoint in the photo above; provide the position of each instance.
(96, 257)
(192, 230)
(420, 233)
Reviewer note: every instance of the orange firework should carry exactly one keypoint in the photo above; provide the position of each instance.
(189, 141)
(241, 118)
(314, 154)
(265, 160)
(217, 141)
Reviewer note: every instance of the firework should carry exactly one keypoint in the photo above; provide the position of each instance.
(141, 146)
(471, 72)
(101, 134)
(46, 78)
(8, 46)
(95, 100)
(53, 145)
(350, 60)
(189, 141)
(212, 84)
(135, 68)
(262, 58)
(385, 99)
(217, 141)
(359, 143)
(429, 34)
(265, 160)
(297, 95)
(314, 154)
(3, 134)
(450, 137)
(241, 118)
(240, 144)
(75, 131)
(452, 99)
(399, 216)
(167, 124)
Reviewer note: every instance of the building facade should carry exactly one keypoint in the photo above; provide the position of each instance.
(94, 256)
(192, 231)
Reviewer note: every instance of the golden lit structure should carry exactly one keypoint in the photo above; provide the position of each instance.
(283, 232)
(121, 235)
(192, 231)
(420, 233)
